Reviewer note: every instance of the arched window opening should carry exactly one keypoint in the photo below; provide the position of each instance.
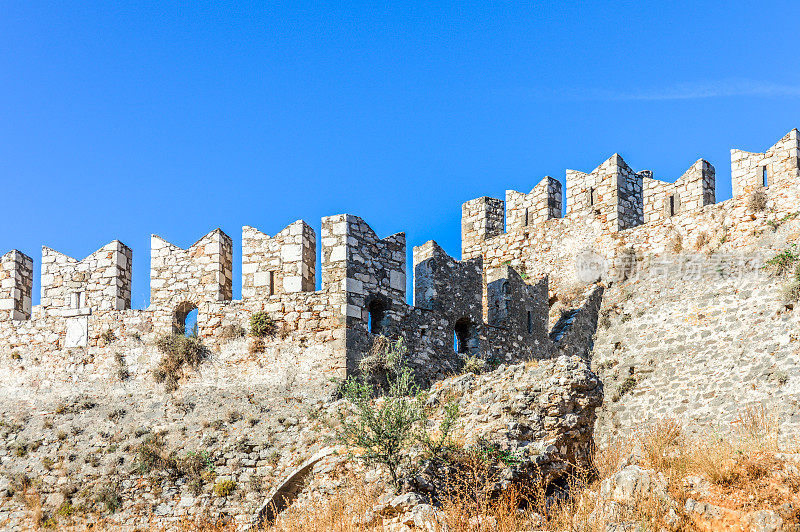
(377, 313)
(462, 331)
(530, 322)
(764, 177)
(592, 196)
(185, 320)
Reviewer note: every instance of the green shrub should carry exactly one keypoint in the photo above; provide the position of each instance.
(223, 488)
(624, 388)
(108, 496)
(784, 261)
(475, 364)
(66, 509)
(390, 431)
(262, 325)
(178, 351)
(108, 336)
(384, 431)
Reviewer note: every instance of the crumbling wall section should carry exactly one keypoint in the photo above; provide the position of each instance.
(517, 314)
(454, 290)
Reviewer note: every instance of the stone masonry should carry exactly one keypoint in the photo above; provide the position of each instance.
(16, 285)
(284, 263)
(101, 281)
(494, 303)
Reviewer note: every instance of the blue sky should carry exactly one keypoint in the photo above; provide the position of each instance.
(121, 120)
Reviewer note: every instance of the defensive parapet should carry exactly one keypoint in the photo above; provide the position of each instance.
(693, 190)
(540, 204)
(452, 289)
(481, 219)
(182, 279)
(282, 264)
(778, 166)
(612, 192)
(16, 286)
(101, 281)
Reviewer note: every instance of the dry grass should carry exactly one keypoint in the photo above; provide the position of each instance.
(742, 472)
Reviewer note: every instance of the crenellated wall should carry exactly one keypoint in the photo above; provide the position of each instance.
(612, 192)
(693, 190)
(779, 166)
(184, 279)
(494, 303)
(615, 216)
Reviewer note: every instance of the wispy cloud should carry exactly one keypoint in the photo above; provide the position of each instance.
(700, 90)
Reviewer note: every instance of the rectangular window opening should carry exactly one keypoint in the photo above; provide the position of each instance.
(764, 176)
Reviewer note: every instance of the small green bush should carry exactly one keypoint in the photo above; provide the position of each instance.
(624, 388)
(66, 509)
(784, 261)
(262, 325)
(475, 364)
(108, 496)
(108, 336)
(223, 488)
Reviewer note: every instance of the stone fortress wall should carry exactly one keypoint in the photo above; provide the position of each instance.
(516, 256)
(458, 311)
(615, 215)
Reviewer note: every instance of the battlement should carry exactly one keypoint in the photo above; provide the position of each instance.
(542, 203)
(517, 255)
(16, 285)
(101, 281)
(370, 270)
(282, 264)
(693, 190)
(202, 272)
(779, 165)
(612, 192)
(481, 219)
